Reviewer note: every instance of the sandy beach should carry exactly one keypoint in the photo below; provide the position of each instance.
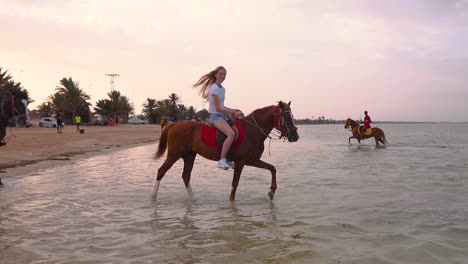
(37, 148)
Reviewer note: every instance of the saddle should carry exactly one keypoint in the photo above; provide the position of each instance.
(211, 136)
(367, 131)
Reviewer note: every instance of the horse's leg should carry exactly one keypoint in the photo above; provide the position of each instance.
(382, 139)
(349, 140)
(189, 159)
(161, 172)
(238, 167)
(2, 135)
(376, 140)
(263, 165)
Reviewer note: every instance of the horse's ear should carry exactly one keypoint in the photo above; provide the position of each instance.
(281, 104)
(289, 103)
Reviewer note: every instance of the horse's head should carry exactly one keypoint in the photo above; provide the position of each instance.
(284, 121)
(15, 105)
(348, 123)
(21, 106)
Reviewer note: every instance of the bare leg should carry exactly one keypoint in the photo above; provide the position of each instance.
(263, 165)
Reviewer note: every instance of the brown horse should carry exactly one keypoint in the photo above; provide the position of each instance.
(183, 140)
(11, 106)
(374, 132)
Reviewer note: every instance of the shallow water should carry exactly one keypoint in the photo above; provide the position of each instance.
(335, 203)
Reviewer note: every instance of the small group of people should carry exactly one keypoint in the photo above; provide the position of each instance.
(59, 117)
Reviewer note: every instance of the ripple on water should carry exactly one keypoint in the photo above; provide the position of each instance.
(335, 203)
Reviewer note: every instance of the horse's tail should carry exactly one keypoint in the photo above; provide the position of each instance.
(384, 139)
(163, 141)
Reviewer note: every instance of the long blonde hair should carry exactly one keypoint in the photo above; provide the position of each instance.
(206, 81)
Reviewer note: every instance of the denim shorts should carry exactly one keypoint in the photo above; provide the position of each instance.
(215, 116)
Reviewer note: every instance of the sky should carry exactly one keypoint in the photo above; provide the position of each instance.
(400, 60)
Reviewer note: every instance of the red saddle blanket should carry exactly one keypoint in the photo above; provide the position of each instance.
(208, 135)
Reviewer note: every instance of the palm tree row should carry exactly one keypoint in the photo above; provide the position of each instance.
(155, 110)
(71, 100)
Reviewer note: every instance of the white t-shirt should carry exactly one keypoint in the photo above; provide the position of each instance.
(220, 92)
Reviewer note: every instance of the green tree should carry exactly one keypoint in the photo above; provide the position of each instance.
(203, 114)
(75, 99)
(46, 109)
(150, 111)
(4, 79)
(117, 105)
(174, 101)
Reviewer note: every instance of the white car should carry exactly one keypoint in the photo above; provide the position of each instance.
(135, 121)
(48, 122)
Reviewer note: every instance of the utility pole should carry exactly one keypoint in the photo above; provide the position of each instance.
(112, 76)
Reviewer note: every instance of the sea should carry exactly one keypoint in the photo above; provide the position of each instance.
(406, 202)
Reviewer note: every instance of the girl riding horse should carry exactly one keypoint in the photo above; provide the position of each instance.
(183, 140)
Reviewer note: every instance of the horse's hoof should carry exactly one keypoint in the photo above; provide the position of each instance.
(271, 195)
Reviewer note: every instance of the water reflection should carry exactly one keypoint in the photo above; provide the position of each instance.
(335, 203)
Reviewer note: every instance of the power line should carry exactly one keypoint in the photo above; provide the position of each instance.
(112, 76)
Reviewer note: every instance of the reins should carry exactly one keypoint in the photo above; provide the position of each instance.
(278, 124)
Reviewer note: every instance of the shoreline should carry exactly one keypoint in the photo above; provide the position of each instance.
(36, 149)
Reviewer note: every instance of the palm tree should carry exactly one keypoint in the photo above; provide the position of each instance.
(57, 100)
(4, 78)
(174, 100)
(45, 109)
(116, 105)
(75, 99)
(150, 110)
(17, 90)
(191, 112)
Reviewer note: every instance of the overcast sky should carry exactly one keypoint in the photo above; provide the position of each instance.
(400, 60)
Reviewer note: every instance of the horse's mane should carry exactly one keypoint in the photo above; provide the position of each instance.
(260, 109)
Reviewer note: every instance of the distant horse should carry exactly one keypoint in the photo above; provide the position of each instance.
(374, 132)
(183, 140)
(11, 106)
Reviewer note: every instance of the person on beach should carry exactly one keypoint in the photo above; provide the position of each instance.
(59, 117)
(367, 121)
(211, 89)
(163, 122)
(77, 122)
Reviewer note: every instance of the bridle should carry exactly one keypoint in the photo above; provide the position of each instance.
(349, 125)
(279, 123)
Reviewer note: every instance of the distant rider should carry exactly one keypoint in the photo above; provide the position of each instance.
(367, 121)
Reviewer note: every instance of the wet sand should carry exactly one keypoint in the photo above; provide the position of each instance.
(37, 148)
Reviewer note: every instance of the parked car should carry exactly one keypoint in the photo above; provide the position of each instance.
(48, 122)
(136, 121)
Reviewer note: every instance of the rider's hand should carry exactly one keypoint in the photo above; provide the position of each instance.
(238, 113)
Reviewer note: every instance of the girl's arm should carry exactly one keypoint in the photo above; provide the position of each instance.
(226, 110)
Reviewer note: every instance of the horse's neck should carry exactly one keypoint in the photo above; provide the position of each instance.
(354, 124)
(263, 120)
